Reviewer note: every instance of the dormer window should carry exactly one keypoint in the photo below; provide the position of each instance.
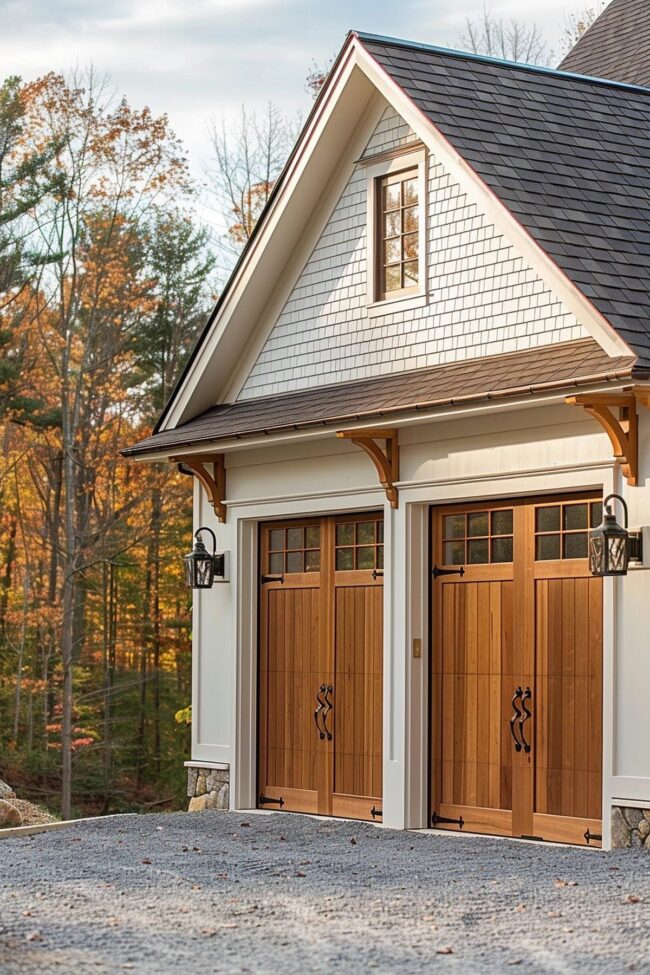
(398, 226)
(396, 231)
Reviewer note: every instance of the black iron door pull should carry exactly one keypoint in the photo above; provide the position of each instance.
(318, 713)
(328, 707)
(517, 718)
(524, 717)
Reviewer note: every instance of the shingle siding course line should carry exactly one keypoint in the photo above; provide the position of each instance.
(585, 151)
(480, 293)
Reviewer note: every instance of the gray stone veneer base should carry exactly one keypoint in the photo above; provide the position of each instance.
(630, 828)
(208, 788)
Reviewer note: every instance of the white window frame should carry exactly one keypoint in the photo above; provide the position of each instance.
(408, 160)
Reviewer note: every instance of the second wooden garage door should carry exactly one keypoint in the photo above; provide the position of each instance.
(320, 671)
(517, 670)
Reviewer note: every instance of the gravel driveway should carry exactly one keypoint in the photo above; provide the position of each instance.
(226, 892)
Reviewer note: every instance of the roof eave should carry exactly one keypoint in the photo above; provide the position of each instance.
(456, 402)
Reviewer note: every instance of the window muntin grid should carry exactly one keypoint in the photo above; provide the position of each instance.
(359, 544)
(478, 537)
(399, 234)
(294, 549)
(562, 529)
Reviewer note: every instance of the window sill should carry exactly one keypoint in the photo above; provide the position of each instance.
(391, 305)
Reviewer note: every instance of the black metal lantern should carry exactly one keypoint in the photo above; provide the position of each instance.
(611, 547)
(201, 566)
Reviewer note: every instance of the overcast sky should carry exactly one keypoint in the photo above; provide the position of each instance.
(200, 58)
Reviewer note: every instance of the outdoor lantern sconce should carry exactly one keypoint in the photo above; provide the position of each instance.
(612, 548)
(203, 569)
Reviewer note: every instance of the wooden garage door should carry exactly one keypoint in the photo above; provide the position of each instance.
(517, 671)
(320, 670)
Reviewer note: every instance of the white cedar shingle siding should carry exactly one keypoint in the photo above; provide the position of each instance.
(484, 298)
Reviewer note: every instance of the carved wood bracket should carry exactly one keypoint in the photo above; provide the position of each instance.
(618, 416)
(213, 483)
(383, 449)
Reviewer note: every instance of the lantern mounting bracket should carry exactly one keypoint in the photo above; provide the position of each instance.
(622, 430)
(385, 458)
(214, 483)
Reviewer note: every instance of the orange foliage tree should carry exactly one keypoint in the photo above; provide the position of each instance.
(92, 612)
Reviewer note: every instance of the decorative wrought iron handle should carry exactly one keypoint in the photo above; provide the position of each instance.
(527, 714)
(328, 707)
(517, 717)
(318, 713)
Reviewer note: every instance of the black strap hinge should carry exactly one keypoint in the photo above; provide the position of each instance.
(376, 813)
(272, 579)
(589, 836)
(435, 819)
(265, 801)
(447, 572)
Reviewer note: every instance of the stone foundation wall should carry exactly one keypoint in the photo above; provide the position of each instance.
(208, 788)
(630, 828)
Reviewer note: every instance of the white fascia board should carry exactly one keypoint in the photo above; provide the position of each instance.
(497, 212)
(315, 159)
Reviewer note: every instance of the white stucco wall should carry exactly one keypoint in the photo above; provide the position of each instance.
(484, 298)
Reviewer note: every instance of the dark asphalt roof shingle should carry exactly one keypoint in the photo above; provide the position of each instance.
(568, 156)
(617, 45)
(383, 399)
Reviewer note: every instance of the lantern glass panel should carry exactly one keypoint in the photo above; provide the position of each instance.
(617, 553)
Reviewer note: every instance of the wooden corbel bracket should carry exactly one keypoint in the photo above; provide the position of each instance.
(214, 484)
(384, 456)
(622, 430)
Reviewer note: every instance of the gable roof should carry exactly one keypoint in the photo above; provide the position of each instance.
(561, 158)
(568, 156)
(617, 45)
(516, 374)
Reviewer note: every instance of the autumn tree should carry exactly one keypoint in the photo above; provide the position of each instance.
(114, 163)
(248, 157)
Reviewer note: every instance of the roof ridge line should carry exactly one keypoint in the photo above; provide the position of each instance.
(487, 59)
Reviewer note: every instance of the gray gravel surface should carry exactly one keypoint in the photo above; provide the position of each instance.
(231, 892)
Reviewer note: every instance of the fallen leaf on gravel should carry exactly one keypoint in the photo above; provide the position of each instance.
(209, 932)
(244, 825)
(444, 951)
(568, 930)
(353, 841)
(299, 873)
(34, 936)
(633, 899)
(555, 914)
(520, 908)
(283, 839)
(145, 860)
(27, 914)
(565, 883)
(514, 961)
